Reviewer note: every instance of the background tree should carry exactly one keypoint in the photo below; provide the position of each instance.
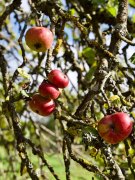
(94, 46)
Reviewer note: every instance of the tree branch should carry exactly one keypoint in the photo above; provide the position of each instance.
(15, 4)
(120, 28)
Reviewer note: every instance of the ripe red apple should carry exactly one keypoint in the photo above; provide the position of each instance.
(41, 105)
(115, 127)
(57, 78)
(48, 90)
(39, 39)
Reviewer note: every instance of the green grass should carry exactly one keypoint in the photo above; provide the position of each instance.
(56, 161)
(77, 172)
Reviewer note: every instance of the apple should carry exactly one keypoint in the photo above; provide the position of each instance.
(39, 39)
(57, 78)
(115, 127)
(48, 90)
(41, 105)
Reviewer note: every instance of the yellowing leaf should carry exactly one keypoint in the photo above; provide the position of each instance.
(127, 103)
(23, 92)
(113, 98)
(93, 151)
(7, 98)
(131, 152)
(72, 12)
(106, 106)
(22, 155)
(133, 114)
(24, 170)
(23, 73)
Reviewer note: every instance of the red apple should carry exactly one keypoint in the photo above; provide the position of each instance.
(39, 39)
(41, 105)
(57, 78)
(48, 90)
(115, 127)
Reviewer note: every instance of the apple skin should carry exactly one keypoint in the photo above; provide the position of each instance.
(39, 39)
(57, 78)
(115, 127)
(48, 90)
(41, 105)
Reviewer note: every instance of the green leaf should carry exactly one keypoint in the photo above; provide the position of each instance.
(131, 152)
(99, 115)
(132, 2)
(19, 105)
(132, 59)
(112, 7)
(133, 18)
(2, 8)
(90, 74)
(89, 54)
(72, 12)
(8, 135)
(90, 129)
(112, 11)
(133, 114)
(98, 2)
(23, 73)
(3, 122)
